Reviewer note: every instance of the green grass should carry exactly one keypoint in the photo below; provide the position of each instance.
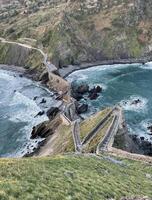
(65, 139)
(72, 177)
(92, 145)
(90, 123)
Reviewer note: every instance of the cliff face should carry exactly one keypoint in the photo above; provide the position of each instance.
(77, 31)
(99, 30)
(17, 55)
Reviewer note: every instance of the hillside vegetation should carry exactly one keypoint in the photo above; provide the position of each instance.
(73, 177)
(77, 31)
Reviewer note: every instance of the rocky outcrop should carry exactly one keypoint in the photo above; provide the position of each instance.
(94, 92)
(45, 129)
(52, 112)
(81, 108)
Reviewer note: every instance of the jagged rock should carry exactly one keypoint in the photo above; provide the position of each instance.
(40, 113)
(43, 101)
(144, 145)
(93, 93)
(35, 98)
(93, 96)
(41, 131)
(150, 129)
(82, 108)
(136, 101)
(77, 91)
(98, 89)
(52, 112)
(82, 89)
(142, 138)
(44, 77)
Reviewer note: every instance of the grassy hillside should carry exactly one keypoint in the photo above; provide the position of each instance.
(79, 31)
(73, 177)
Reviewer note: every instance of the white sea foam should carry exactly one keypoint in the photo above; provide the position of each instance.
(145, 124)
(102, 85)
(129, 104)
(27, 111)
(148, 65)
(77, 76)
(6, 76)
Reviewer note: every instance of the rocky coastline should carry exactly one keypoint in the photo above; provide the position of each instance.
(68, 69)
(44, 78)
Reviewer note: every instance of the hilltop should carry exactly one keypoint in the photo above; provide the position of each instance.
(78, 31)
(74, 177)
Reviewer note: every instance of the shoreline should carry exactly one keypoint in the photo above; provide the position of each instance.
(67, 71)
(72, 68)
(22, 72)
(12, 68)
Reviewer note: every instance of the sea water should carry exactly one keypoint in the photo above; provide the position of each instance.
(20, 102)
(122, 84)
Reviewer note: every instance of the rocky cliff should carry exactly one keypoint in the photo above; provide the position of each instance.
(77, 31)
(15, 54)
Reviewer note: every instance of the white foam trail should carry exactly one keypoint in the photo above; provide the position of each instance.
(6, 76)
(77, 76)
(145, 124)
(148, 65)
(28, 110)
(130, 106)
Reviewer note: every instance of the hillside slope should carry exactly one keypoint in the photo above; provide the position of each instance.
(74, 177)
(78, 31)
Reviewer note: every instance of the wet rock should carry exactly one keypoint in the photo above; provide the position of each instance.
(77, 96)
(43, 101)
(98, 89)
(82, 89)
(82, 108)
(35, 98)
(44, 77)
(93, 96)
(78, 91)
(94, 92)
(41, 131)
(40, 113)
(150, 129)
(136, 101)
(142, 138)
(52, 112)
(144, 145)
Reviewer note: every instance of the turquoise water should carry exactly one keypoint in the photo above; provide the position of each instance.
(122, 84)
(17, 113)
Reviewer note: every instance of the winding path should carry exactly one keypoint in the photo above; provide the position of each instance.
(50, 67)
